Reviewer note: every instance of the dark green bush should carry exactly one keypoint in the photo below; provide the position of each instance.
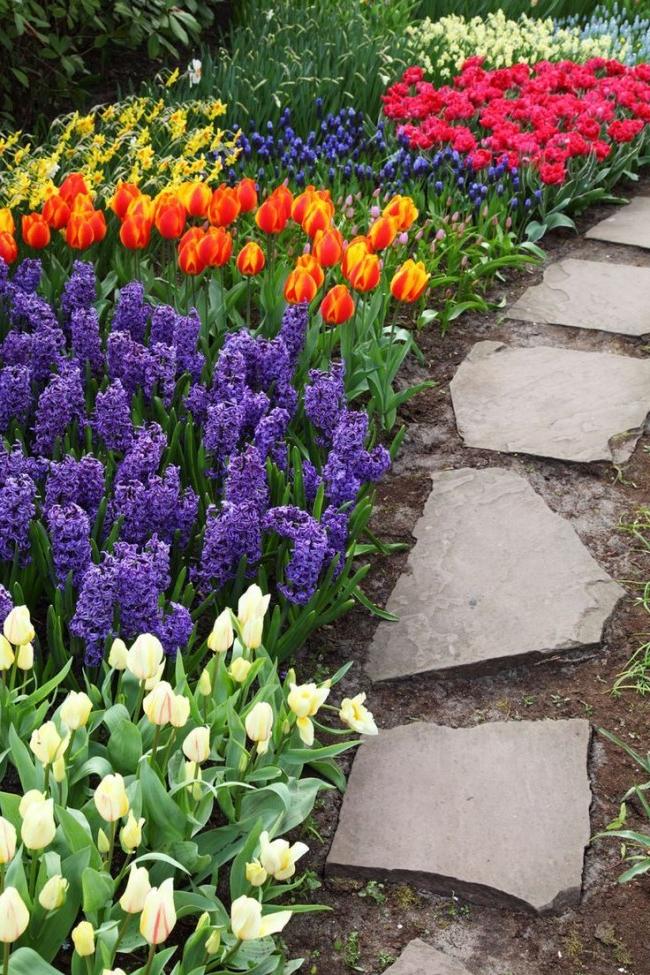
(53, 52)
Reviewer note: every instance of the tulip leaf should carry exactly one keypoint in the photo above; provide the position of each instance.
(159, 807)
(163, 858)
(22, 761)
(97, 887)
(25, 961)
(125, 746)
(238, 883)
(77, 833)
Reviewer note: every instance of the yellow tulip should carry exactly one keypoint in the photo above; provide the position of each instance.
(145, 656)
(6, 654)
(136, 890)
(31, 797)
(252, 604)
(131, 833)
(111, 799)
(180, 711)
(25, 657)
(103, 842)
(278, 857)
(7, 840)
(83, 938)
(47, 744)
(355, 715)
(204, 684)
(221, 638)
(38, 827)
(193, 776)
(118, 656)
(196, 746)
(255, 873)
(53, 894)
(213, 942)
(305, 700)
(239, 668)
(158, 914)
(259, 725)
(247, 922)
(14, 916)
(159, 703)
(75, 710)
(252, 632)
(18, 628)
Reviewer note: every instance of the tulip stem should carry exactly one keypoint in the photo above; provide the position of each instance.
(152, 952)
(154, 747)
(121, 931)
(2, 878)
(5, 958)
(138, 703)
(231, 954)
(111, 849)
(33, 874)
(168, 749)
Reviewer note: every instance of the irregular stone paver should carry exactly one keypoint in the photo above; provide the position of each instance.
(497, 813)
(494, 575)
(589, 294)
(628, 225)
(581, 406)
(419, 958)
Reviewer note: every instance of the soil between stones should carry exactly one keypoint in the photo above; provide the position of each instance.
(368, 928)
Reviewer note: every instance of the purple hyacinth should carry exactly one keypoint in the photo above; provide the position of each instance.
(69, 528)
(47, 352)
(349, 464)
(160, 372)
(27, 275)
(232, 533)
(310, 546)
(6, 604)
(253, 407)
(336, 524)
(112, 418)
(246, 479)
(17, 509)
(269, 436)
(311, 480)
(93, 618)
(175, 629)
(196, 402)
(324, 400)
(131, 311)
(160, 506)
(61, 402)
(222, 429)
(144, 455)
(163, 321)
(127, 360)
(30, 312)
(16, 348)
(15, 396)
(80, 290)
(229, 373)
(79, 482)
(187, 330)
(274, 368)
(294, 329)
(86, 339)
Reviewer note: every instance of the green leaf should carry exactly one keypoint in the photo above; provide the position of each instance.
(159, 807)
(125, 746)
(98, 887)
(25, 961)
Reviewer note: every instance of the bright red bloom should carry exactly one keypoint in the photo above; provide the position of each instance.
(215, 249)
(124, 194)
(300, 286)
(169, 217)
(196, 198)
(328, 247)
(72, 186)
(337, 306)
(246, 194)
(135, 232)
(8, 247)
(382, 233)
(250, 260)
(309, 264)
(364, 276)
(36, 231)
(224, 207)
(189, 259)
(56, 211)
(271, 217)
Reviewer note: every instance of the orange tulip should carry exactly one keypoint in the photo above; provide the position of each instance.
(195, 234)
(84, 229)
(196, 197)
(56, 211)
(382, 233)
(364, 276)
(189, 259)
(36, 231)
(299, 287)
(8, 247)
(403, 209)
(246, 194)
(409, 281)
(224, 207)
(82, 204)
(215, 249)
(337, 306)
(271, 217)
(250, 260)
(284, 197)
(141, 206)
(309, 264)
(73, 186)
(328, 247)
(356, 249)
(169, 217)
(135, 232)
(7, 225)
(317, 217)
(124, 194)
(301, 202)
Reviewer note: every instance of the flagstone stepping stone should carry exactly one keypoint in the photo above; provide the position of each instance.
(497, 813)
(563, 403)
(419, 958)
(628, 225)
(589, 294)
(494, 576)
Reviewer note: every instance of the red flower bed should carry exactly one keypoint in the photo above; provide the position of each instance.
(543, 114)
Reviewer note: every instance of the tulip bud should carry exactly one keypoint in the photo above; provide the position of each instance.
(7, 840)
(38, 828)
(239, 668)
(30, 798)
(278, 857)
(355, 715)
(156, 679)
(252, 603)
(58, 769)
(213, 943)
(25, 657)
(196, 746)
(103, 842)
(259, 725)
(180, 711)
(18, 628)
(14, 916)
(83, 937)
(131, 833)
(247, 922)
(158, 704)
(111, 799)
(118, 656)
(158, 914)
(193, 776)
(203, 921)
(252, 632)
(222, 635)
(6, 654)
(255, 873)
(75, 710)
(204, 684)
(136, 890)
(145, 656)
(53, 894)
(47, 744)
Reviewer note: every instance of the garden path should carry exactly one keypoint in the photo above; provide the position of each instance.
(499, 813)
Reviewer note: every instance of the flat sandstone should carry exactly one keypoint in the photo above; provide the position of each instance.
(419, 958)
(589, 294)
(629, 224)
(562, 403)
(497, 813)
(494, 575)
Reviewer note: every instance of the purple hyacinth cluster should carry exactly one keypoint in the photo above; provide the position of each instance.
(69, 527)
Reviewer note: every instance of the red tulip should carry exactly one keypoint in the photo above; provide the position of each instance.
(300, 287)
(36, 231)
(224, 207)
(250, 260)
(337, 306)
(215, 249)
(124, 194)
(135, 232)
(8, 247)
(246, 194)
(56, 211)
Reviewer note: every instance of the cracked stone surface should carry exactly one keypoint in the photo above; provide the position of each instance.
(419, 958)
(562, 403)
(495, 575)
(497, 813)
(589, 294)
(628, 225)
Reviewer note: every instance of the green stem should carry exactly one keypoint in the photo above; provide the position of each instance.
(33, 872)
(138, 703)
(230, 954)
(156, 739)
(121, 931)
(46, 778)
(168, 749)
(2, 878)
(111, 849)
(5, 958)
(152, 952)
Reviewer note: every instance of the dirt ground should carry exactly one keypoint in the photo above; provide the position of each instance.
(370, 924)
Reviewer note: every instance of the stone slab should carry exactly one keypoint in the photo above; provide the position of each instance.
(589, 294)
(494, 576)
(562, 403)
(497, 814)
(629, 224)
(419, 958)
